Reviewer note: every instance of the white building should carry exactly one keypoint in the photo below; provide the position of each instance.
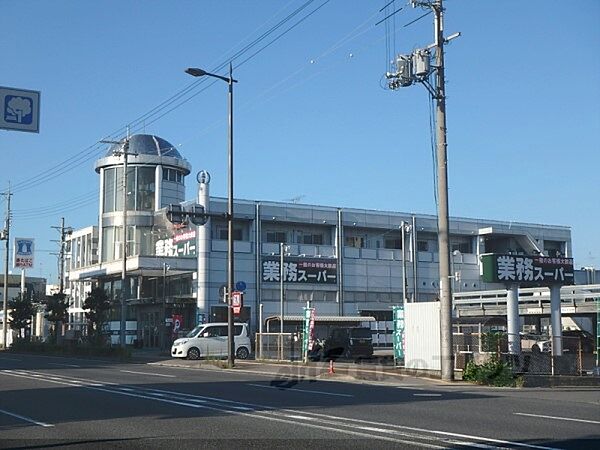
(345, 261)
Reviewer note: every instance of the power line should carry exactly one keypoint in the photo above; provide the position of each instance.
(91, 151)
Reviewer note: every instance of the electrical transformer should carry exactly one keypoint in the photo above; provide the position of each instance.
(421, 63)
(404, 67)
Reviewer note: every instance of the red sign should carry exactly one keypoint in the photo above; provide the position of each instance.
(237, 301)
(177, 322)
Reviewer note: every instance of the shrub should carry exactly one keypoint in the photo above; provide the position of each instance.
(492, 373)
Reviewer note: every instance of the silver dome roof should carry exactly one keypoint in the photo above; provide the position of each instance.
(147, 144)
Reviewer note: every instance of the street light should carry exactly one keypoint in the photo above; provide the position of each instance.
(455, 274)
(195, 72)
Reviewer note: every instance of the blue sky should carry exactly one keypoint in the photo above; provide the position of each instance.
(311, 117)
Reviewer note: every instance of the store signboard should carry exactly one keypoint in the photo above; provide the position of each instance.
(300, 270)
(181, 245)
(19, 109)
(525, 269)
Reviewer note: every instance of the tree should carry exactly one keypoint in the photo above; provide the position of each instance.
(98, 304)
(21, 310)
(56, 311)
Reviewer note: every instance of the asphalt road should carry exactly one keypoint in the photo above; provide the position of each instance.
(76, 403)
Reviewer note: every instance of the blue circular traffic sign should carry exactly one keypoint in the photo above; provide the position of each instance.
(240, 286)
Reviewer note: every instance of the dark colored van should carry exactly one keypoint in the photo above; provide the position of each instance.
(349, 343)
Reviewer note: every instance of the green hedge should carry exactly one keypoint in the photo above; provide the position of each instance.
(491, 373)
(71, 350)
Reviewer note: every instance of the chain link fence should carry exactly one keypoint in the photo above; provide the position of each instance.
(535, 356)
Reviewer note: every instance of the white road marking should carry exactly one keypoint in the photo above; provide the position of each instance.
(390, 427)
(251, 414)
(64, 365)
(4, 358)
(296, 417)
(427, 395)
(26, 419)
(300, 390)
(149, 373)
(557, 418)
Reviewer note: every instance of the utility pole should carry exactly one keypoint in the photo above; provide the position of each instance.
(124, 288)
(417, 68)
(5, 236)
(163, 313)
(443, 210)
(64, 232)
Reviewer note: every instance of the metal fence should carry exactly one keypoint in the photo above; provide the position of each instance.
(279, 346)
(535, 357)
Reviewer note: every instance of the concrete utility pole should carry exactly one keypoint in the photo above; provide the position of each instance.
(417, 68)
(64, 232)
(442, 188)
(5, 236)
(124, 291)
(61, 257)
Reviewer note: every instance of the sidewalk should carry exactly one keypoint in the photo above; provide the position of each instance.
(312, 370)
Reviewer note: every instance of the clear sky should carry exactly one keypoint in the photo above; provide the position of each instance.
(312, 120)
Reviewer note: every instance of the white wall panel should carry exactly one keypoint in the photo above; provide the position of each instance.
(422, 335)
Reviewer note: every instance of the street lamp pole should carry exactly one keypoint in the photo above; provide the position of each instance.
(281, 279)
(195, 72)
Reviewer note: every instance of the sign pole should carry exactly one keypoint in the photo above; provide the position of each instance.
(5, 236)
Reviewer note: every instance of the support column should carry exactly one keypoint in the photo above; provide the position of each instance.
(203, 250)
(512, 319)
(555, 320)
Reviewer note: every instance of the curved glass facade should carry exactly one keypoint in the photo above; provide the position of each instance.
(141, 187)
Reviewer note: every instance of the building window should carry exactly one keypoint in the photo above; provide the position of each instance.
(355, 241)
(109, 190)
(276, 236)
(422, 246)
(393, 243)
(314, 239)
(174, 175)
(145, 189)
(223, 233)
(463, 247)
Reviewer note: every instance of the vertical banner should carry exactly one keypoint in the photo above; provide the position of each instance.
(309, 330)
(398, 314)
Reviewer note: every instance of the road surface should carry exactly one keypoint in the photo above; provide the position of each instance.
(77, 403)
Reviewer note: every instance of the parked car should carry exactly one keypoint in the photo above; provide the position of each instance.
(210, 340)
(573, 337)
(316, 353)
(570, 342)
(349, 343)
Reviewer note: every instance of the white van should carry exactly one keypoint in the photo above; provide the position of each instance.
(210, 340)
